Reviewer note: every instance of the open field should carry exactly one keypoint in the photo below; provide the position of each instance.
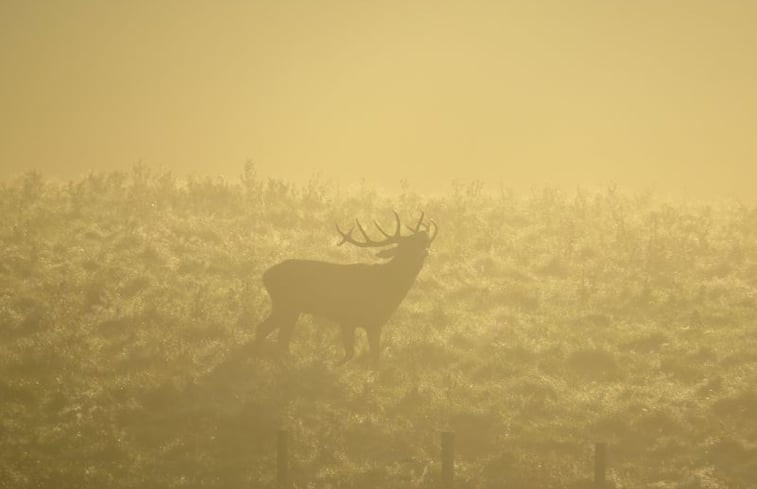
(538, 325)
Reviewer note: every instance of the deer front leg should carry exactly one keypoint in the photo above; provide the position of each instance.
(348, 338)
(374, 343)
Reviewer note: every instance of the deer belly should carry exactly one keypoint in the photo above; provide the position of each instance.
(353, 311)
(350, 294)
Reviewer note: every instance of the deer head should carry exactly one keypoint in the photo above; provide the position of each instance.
(415, 245)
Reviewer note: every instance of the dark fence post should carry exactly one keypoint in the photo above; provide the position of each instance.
(448, 460)
(600, 464)
(282, 459)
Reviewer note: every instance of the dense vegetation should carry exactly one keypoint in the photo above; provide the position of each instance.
(539, 324)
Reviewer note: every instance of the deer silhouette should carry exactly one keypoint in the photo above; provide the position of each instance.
(358, 295)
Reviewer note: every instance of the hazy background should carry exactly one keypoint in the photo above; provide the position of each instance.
(648, 94)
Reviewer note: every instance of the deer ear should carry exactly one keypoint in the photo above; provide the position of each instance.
(387, 253)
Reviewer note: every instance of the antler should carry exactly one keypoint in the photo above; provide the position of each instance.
(417, 225)
(370, 243)
(426, 226)
(431, 237)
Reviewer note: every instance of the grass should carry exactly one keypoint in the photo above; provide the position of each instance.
(540, 324)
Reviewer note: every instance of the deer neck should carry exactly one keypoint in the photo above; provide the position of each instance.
(405, 269)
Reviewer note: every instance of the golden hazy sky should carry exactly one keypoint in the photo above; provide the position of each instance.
(645, 93)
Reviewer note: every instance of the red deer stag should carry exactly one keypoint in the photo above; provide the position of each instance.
(355, 295)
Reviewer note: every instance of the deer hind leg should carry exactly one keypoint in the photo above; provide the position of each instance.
(348, 339)
(280, 318)
(286, 327)
(263, 330)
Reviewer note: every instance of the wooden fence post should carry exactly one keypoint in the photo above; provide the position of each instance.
(600, 464)
(282, 459)
(448, 460)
